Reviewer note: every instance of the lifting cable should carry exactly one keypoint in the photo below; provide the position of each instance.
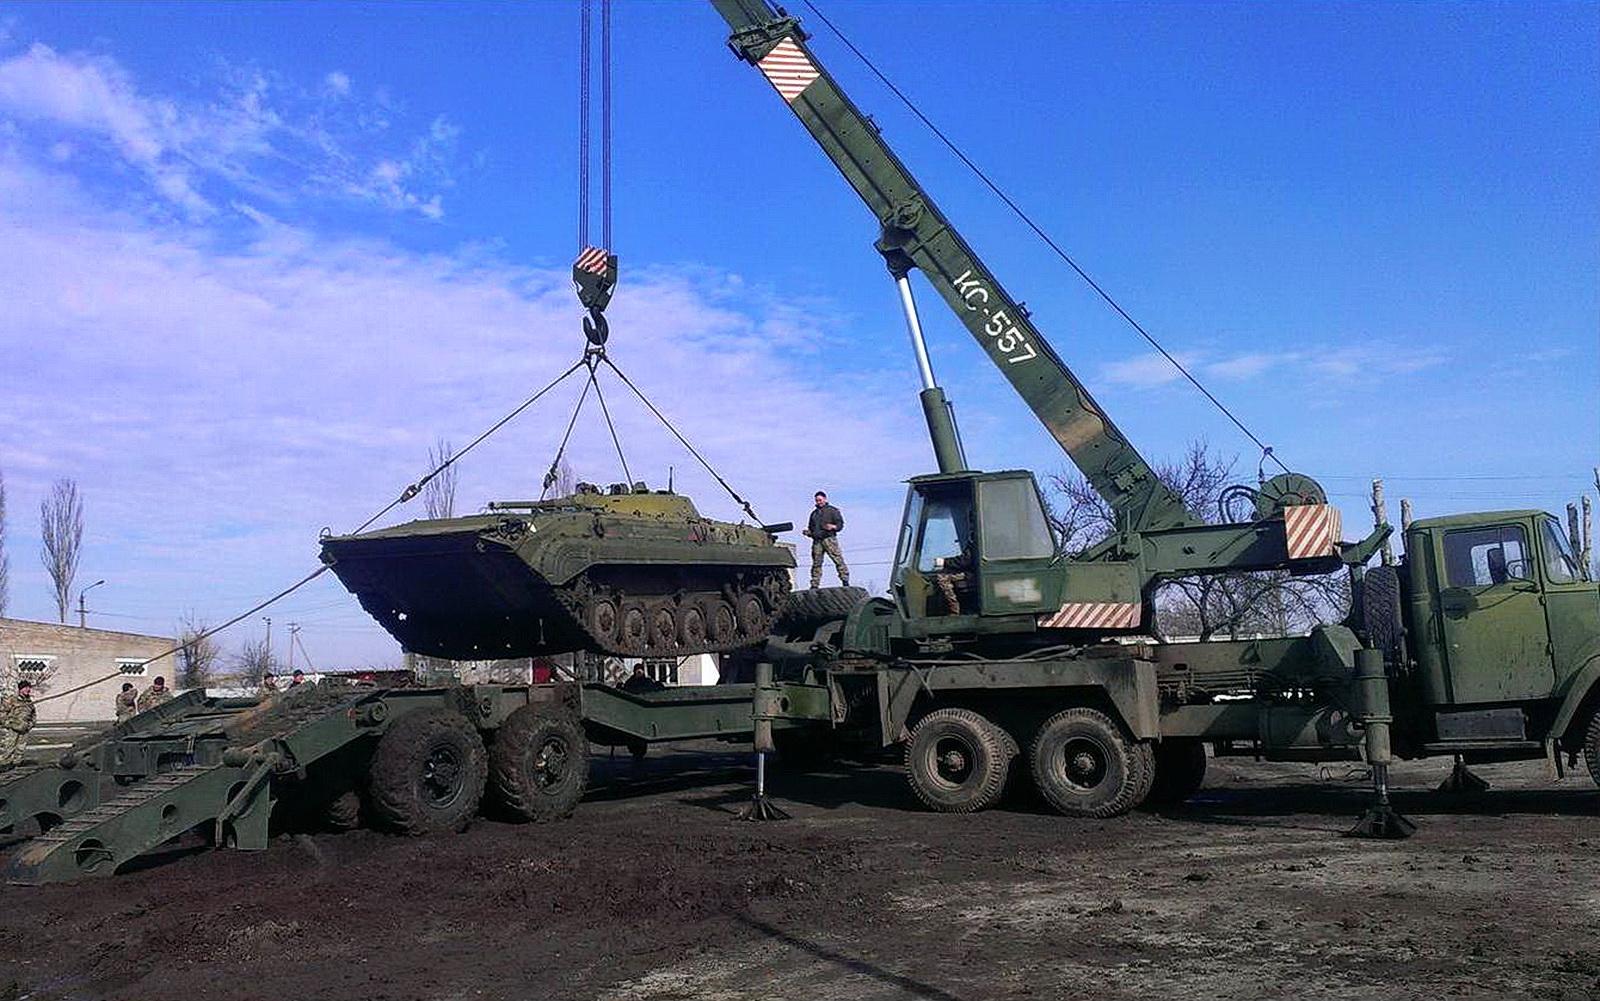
(1017, 210)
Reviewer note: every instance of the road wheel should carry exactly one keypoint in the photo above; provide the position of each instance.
(752, 612)
(427, 773)
(691, 626)
(663, 629)
(635, 628)
(1084, 766)
(721, 624)
(604, 620)
(342, 813)
(540, 763)
(957, 761)
(1180, 771)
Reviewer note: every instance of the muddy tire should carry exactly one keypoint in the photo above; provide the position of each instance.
(957, 761)
(342, 813)
(1084, 766)
(803, 611)
(1180, 771)
(539, 767)
(1591, 747)
(427, 773)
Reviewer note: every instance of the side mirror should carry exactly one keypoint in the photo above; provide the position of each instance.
(1457, 600)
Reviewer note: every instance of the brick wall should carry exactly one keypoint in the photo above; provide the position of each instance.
(71, 657)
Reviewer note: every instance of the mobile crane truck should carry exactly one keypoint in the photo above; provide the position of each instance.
(1483, 643)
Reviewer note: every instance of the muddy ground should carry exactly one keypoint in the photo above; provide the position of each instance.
(654, 892)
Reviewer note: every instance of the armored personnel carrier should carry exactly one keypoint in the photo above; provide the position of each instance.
(626, 571)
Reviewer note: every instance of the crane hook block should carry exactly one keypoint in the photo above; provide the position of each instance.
(594, 276)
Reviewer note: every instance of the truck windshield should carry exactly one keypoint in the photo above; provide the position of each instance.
(1559, 564)
(1013, 521)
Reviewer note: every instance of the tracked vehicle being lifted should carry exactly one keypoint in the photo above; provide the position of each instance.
(627, 572)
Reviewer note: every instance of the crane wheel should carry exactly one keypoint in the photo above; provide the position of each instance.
(1591, 746)
(539, 766)
(1085, 766)
(957, 761)
(427, 773)
(1180, 771)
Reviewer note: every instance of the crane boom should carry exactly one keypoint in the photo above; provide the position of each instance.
(916, 235)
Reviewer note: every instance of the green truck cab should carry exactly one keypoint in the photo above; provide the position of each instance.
(1503, 630)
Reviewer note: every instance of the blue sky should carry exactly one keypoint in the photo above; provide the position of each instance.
(254, 259)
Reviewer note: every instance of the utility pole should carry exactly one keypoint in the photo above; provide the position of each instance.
(83, 612)
(268, 620)
(1380, 516)
(294, 631)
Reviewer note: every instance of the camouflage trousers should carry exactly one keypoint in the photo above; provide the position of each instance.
(830, 546)
(11, 746)
(946, 583)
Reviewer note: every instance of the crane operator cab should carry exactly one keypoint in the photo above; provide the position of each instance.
(972, 544)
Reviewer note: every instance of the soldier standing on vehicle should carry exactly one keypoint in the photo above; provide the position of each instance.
(16, 719)
(127, 701)
(823, 531)
(155, 695)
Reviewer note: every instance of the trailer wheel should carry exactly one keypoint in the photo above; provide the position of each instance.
(1180, 771)
(957, 761)
(342, 813)
(1085, 767)
(427, 773)
(540, 763)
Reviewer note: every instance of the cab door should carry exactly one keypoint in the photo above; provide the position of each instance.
(1496, 641)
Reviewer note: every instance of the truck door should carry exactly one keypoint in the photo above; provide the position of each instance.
(1496, 642)
(937, 542)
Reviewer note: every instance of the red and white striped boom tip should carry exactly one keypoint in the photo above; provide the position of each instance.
(787, 68)
(592, 260)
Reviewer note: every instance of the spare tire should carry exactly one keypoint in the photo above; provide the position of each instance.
(1381, 624)
(806, 610)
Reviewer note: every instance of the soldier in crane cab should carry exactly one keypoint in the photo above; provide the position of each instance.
(823, 531)
(17, 715)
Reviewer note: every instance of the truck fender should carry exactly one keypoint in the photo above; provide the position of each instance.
(1583, 683)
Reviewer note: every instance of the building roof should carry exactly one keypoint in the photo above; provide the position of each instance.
(79, 630)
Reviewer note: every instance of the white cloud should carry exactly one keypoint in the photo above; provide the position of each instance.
(219, 407)
(258, 135)
(1247, 366)
(1145, 371)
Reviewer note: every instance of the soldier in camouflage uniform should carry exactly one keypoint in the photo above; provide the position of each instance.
(823, 531)
(155, 695)
(127, 701)
(16, 719)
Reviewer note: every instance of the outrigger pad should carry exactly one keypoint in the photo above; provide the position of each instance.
(1382, 822)
(1462, 779)
(762, 808)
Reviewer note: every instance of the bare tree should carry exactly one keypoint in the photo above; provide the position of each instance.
(61, 524)
(439, 494)
(198, 654)
(253, 660)
(1230, 604)
(5, 561)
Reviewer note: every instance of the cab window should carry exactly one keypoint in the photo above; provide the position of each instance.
(1013, 521)
(1559, 565)
(1483, 557)
(945, 531)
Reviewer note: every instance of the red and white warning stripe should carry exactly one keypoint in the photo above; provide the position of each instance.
(1312, 530)
(1093, 615)
(592, 260)
(787, 68)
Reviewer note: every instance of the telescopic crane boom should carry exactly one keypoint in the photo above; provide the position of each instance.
(915, 234)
